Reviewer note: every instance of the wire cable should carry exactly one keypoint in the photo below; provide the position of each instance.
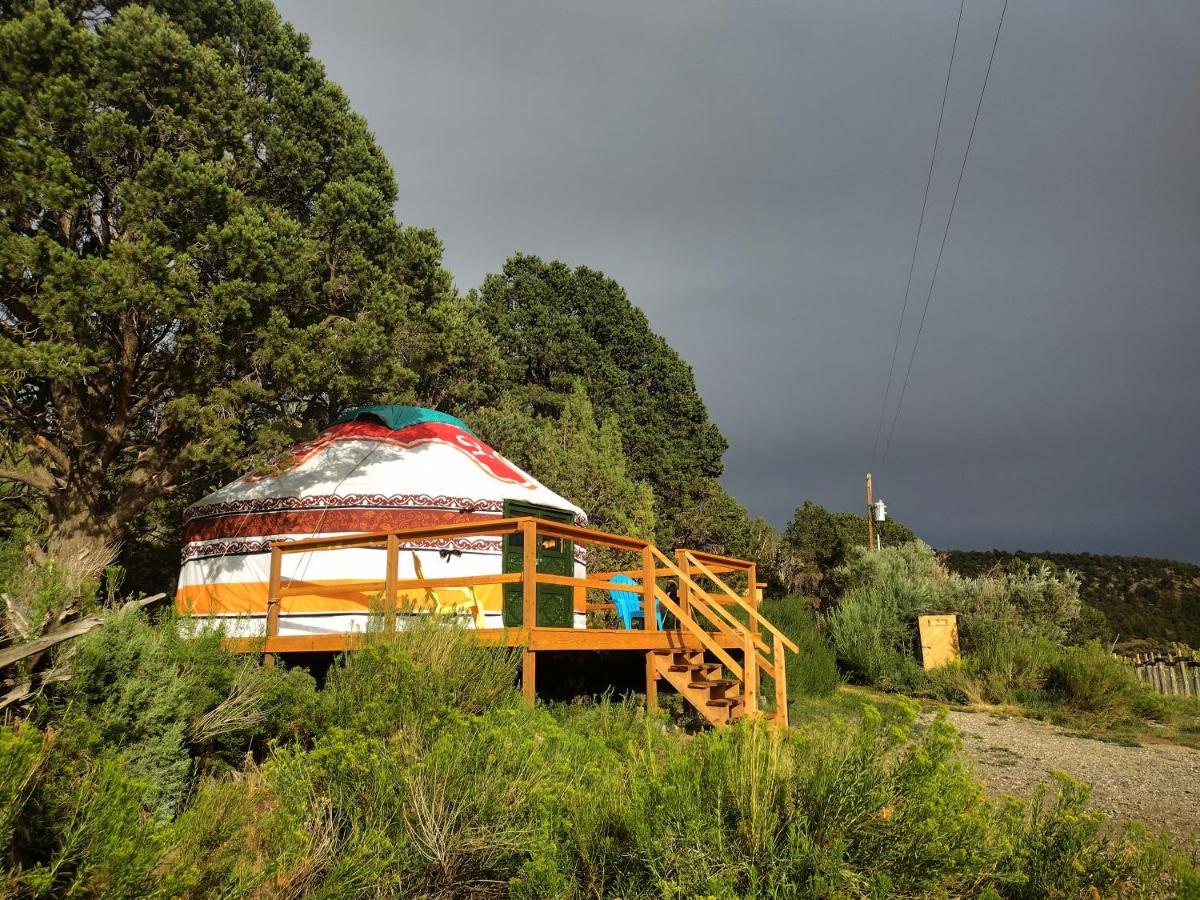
(945, 234)
(912, 265)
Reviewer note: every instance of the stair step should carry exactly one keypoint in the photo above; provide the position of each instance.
(724, 701)
(714, 683)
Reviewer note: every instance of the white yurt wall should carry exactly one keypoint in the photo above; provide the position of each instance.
(376, 469)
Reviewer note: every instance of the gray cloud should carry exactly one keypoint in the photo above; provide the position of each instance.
(752, 174)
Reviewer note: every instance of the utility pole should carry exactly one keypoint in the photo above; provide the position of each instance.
(870, 514)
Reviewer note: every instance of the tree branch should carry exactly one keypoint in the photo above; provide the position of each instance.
(60, 458)
(39, 478)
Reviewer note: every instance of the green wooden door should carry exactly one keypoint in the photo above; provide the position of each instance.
(555, 605)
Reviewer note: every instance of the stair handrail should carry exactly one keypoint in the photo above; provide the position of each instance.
(755, 663)
(758, 617)
(722, 618)
(684, 578)
(694, 627)
(709, 611)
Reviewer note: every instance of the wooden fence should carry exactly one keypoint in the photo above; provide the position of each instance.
(1175, 672)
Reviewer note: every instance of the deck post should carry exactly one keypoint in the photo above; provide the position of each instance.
(529, 574)
(685, 589)
(651, 682)
(781, 699)
(529, 675)
(750, 675)
(389, 584)
(649, 601)
(273, 600)
(529, 606)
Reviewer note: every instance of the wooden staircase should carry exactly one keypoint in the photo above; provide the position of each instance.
(728, 689)
(718, 699)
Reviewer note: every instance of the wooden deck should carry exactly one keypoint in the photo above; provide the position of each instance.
(714, 658)
(533, 638)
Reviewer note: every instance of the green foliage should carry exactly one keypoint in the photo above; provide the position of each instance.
(102, 843)
(1008, 668)
(23, 750)
(813, 671)
(1089, 679)
(1031, 597)
(873, 626)
(164, 701)
(557, 327)
(816, 542)
(576, 456)
(435, 671)
(199, 255)
(1130, 597)
(416, 772)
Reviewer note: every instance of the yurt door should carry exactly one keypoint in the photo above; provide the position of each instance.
(555, 606)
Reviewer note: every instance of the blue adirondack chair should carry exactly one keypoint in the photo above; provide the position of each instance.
(629, 604)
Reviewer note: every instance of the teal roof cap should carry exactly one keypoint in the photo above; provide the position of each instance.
(397, 417)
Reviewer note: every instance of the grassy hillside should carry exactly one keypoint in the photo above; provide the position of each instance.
(1153, 599)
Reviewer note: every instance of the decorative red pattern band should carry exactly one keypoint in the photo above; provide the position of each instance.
(344, 501)
(240, 548)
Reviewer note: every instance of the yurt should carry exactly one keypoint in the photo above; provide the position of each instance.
(377, 468)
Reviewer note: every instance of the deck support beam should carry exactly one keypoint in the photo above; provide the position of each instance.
(529, 675)
(273, 601)
(651, 682)
(529, 606)
(389, 586)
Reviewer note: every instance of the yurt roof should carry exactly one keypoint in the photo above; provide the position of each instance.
(361, 473)
(397, 417)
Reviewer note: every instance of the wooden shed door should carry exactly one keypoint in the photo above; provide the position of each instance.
(555, 608)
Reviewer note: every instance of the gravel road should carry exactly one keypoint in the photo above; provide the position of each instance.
(1156, 784)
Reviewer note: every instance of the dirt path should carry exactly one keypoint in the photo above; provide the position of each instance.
(1157, 784)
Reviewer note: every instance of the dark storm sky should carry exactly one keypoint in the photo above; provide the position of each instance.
(752, 174)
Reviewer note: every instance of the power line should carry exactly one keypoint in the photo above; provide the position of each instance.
(945, 234)
(917, 241)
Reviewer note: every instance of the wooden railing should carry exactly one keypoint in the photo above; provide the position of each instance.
(703, 614)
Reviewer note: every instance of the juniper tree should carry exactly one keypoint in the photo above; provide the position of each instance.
(199, 257)
(555, 326)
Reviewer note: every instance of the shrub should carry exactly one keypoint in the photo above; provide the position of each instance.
(1012, 666)
(812, 672)
(1089, 679)
(431, 784)
(1031, 597)
(23, 752)
(167, 702)
(410, 681)
(873, 639)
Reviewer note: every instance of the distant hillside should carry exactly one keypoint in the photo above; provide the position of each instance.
(1154, 599)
